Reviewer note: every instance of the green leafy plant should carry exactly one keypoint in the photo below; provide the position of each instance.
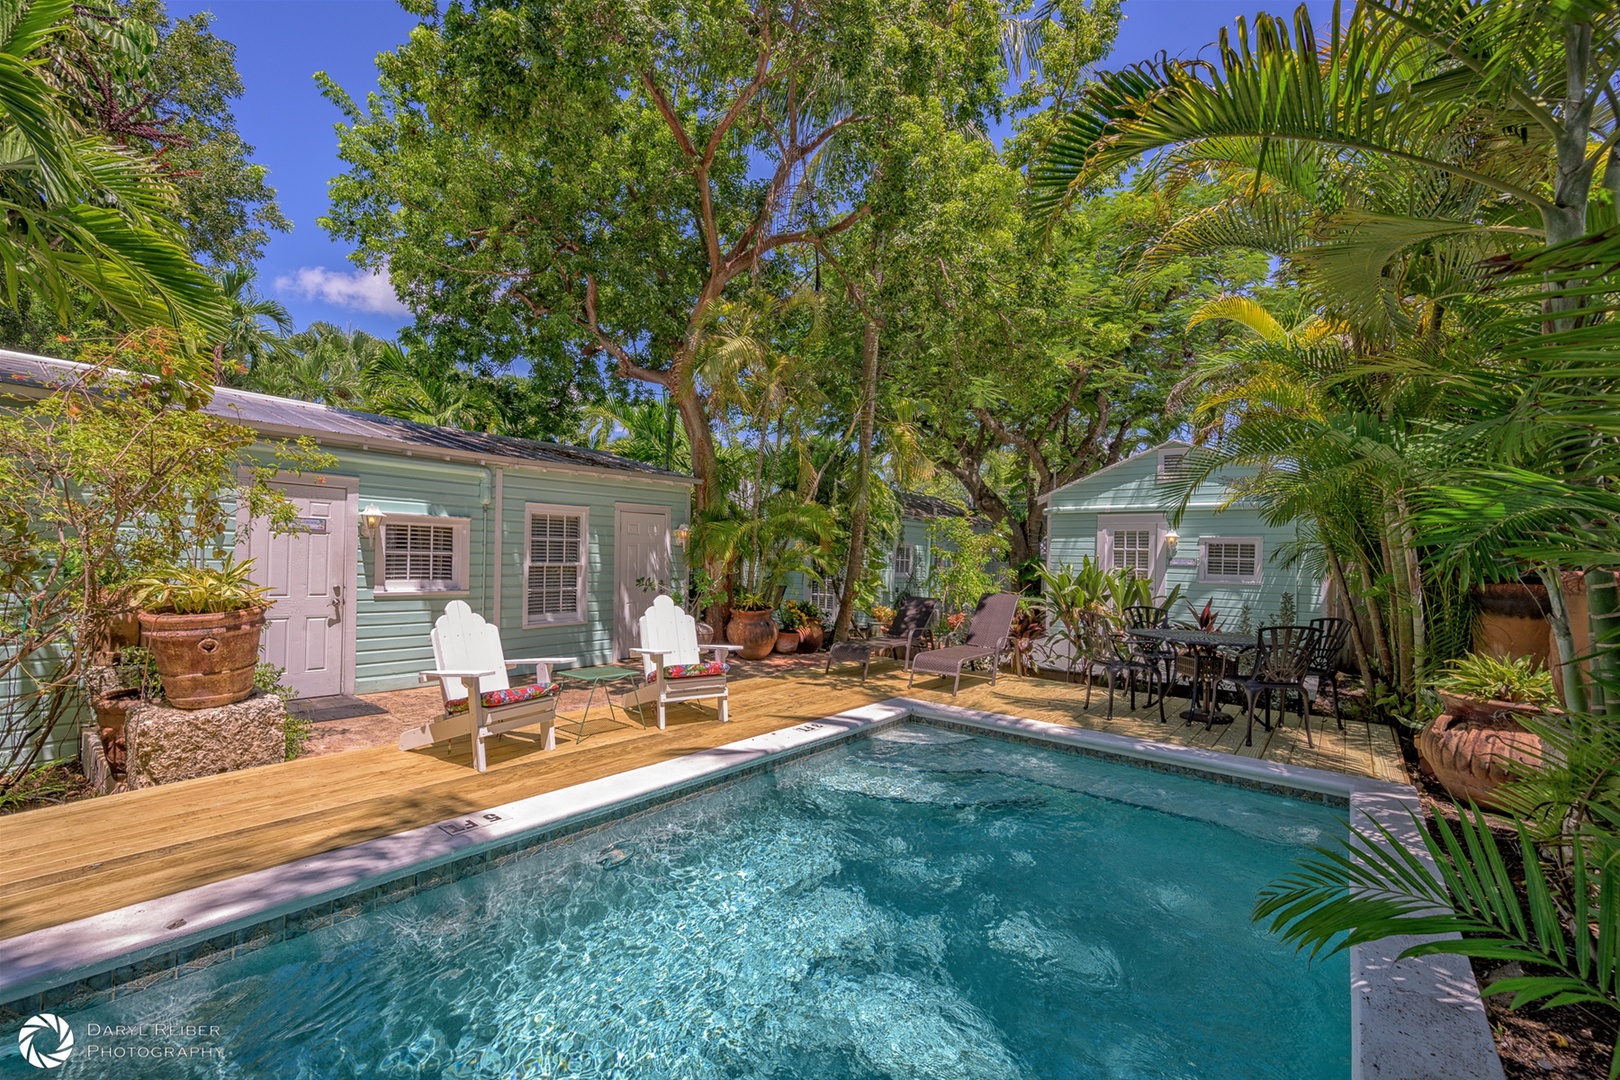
(267, 679)
(789, 617)
(1486, 678)
(117, 475)
(743, 600)
(137, 668)
(809, 614)
(1375, 886)
(185, 590)
(961, 570)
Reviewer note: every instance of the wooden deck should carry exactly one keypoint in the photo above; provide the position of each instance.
(68, 862)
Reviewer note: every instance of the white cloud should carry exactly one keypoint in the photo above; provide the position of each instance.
(358, 290)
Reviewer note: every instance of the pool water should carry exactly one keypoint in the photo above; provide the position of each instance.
(917, 904)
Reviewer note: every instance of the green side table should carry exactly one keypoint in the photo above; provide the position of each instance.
(594, 677)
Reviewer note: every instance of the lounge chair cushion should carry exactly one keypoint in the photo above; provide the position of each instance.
(510, 696)
(950, 659)
(691, 671)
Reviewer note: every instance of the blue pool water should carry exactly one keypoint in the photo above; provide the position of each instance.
(919, 904)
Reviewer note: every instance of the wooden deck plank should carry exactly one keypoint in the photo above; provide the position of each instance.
(99, 854)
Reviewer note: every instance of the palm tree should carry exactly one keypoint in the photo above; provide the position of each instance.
(323, 362)
(426, 390)
(256, 327)
(1385, 161)
(78, 212)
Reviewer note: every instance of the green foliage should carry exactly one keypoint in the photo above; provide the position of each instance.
(964, 561)
(267, 679)
(749, 601)
(788, 617)
(83, 218)
(111, 478)
(197, 590)
(1380, 884)
(762, 550)
(1487, 678)
(1287, 612)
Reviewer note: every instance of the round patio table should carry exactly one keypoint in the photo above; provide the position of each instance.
(598, 676)
(1205, 707)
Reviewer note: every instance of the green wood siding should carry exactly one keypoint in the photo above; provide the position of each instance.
(391, 632)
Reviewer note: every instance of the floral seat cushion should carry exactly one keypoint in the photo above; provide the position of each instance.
(691, 671)
(494, 699)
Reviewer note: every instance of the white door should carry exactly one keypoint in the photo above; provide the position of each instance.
(642, 546)
(310, 623)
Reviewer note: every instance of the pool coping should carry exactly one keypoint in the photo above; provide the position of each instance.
(1414, 1018)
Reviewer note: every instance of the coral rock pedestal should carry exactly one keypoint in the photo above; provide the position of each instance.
(165, 744)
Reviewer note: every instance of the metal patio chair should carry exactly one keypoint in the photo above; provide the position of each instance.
(1325, 662)
(1282, 658)
(987, 635)
(913, 618)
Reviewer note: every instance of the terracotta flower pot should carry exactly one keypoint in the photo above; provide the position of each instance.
(204, 660)
(787, 641)
(755, 631)
(811, 638)
(111, 712)
(1475, 747)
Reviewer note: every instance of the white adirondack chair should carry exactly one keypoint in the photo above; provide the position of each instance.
(471, 670)
(668, 643)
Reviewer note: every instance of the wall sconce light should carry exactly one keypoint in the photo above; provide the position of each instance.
(371, 520)
(682, 534)
(1171, 538)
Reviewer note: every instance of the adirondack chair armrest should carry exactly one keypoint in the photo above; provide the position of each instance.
(656, 654)
(430, 676)
(546, 661)
(721, 648)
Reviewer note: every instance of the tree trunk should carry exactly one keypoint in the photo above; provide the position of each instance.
(1358, 635)
(1603, 607)
(1564, 639)
(862, 501)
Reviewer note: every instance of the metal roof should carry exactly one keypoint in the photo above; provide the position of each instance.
(913, 505)
(350, 427)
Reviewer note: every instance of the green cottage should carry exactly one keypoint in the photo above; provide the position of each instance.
(1222, 554)
(546, 541)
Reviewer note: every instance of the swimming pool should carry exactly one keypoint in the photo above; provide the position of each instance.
(918, 903)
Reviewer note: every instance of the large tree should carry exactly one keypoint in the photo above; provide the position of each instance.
(567, 181)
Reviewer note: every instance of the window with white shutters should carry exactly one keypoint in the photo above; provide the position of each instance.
(417, 554)
(554, 573)
(1230, 560)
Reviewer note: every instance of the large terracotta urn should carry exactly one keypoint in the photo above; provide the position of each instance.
(754, 631)
(811, 637)
(1475, 747)
(206, 660)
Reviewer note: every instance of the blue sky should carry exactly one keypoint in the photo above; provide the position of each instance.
(282, 43)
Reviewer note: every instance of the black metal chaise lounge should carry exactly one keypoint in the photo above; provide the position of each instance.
(912, 619)
(987, 636)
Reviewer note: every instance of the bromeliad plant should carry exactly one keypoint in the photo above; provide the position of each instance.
(1486, 678)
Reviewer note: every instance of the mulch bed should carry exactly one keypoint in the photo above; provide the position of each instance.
(48, 785)
(1571, 1042)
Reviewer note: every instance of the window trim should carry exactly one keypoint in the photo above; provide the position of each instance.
(1154, 524)
(1204, 576)
(461, 556)
(911, 560)
(829, 589)
(530, 510)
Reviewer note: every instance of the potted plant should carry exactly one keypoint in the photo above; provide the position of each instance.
(812, 633)
(751, 626)
(1477, 743)
(202, 625)
(788, 621)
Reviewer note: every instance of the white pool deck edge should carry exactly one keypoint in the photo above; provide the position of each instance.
(1414, 1019)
